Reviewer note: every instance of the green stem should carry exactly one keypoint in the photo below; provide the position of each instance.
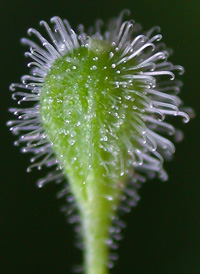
(97, 203)
(95, 235)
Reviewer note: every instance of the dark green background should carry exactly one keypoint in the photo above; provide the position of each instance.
(163, 232)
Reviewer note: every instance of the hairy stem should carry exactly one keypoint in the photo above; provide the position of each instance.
(95, 234)
(97, 211)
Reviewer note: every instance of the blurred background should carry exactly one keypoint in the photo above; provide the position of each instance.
(163, 231)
